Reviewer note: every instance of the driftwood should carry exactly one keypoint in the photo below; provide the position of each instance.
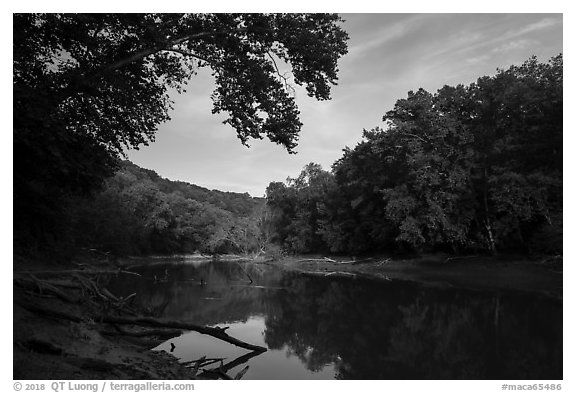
(356, 261)
(327, 273)
(326, 259)
(167, 333)
(203, 362)
(215, 373)
(459, 257)
(51, 312)
(245, 272)
(239, 360)
(50, 287)
(43, 287)
(215, 332)
(76, 271)
(220, 372)
(197, 365)
(241, 372)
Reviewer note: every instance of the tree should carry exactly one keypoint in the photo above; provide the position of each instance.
(431, 202)
(87, 86)
(475, 167)
(518, 128)
(358, 220)
(467, 167)
(298, 208)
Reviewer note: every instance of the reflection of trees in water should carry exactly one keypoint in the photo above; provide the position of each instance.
(369, 330)
(324, 322)
(440, 339)
(226, 296)
(398, 331)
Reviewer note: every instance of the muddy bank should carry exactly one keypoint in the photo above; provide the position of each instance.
(543, 276)
(69, 325)
(47, 347)
(538, 275)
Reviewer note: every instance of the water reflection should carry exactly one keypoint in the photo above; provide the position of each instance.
(325, 328)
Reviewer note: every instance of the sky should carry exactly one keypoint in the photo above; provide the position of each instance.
(388, 55)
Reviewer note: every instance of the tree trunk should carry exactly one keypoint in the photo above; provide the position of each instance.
(487, 224)
(491, 243)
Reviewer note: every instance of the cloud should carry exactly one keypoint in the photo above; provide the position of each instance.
(540, 25)
(511, 34)
(383, 36)
(477, 59)
(515, 45)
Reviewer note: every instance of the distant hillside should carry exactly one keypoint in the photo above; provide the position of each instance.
(138, 212)
(237, 203)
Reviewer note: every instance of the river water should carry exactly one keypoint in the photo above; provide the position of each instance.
(342, 328)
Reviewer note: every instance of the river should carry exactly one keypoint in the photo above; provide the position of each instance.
(343, 328)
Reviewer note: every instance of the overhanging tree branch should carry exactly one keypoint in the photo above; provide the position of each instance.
(166, 46)
(281, 76)
(186, 53)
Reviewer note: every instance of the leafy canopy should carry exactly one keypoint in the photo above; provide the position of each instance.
(89, 86)
(108, 75)
(467, 168)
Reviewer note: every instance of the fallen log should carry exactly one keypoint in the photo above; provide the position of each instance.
(215, 332)
(356, 261)
(220, 372)
(216, 374)
(51, 313)
(165, 333)
(202, 362)
(327, 273)
(239, 360)
(241, 373)
(43, 287)
(76, 271)
(245, 272)
(325, 259)
(197, 365)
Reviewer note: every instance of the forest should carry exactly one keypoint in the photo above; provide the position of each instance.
(140, 213)
(467, 169)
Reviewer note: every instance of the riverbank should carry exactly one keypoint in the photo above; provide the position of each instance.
(49, 346)
(541, 276)
(67, 324)
(57, 333)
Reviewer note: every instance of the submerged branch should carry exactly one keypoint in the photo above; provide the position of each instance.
(245, 272)
(220, 372)
(76, 271)
(215, 332)
(166, 333)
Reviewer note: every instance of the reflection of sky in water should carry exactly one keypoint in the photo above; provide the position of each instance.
(273, 364)
(326, 328)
